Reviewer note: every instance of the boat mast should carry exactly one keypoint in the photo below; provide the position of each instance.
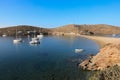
(34, 33)
(16, 33)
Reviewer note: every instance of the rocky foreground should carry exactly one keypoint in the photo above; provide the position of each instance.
(107, 57)
(111, 73)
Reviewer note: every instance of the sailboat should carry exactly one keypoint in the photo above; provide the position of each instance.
(35, 40)
(17, 40)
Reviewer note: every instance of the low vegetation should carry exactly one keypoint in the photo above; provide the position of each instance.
(111, 73)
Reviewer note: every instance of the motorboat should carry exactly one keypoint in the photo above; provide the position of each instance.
(78, 50)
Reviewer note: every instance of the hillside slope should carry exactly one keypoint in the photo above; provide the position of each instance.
(69, 29)
(86, 29)
(11, 31)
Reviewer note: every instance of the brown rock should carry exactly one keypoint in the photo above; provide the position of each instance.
(108, 56)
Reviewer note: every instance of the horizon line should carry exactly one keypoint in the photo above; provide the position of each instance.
(54, 27)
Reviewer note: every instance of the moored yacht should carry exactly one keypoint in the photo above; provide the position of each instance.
(17, 40)
(35, 40)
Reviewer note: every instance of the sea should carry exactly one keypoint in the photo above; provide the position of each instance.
(53, 59)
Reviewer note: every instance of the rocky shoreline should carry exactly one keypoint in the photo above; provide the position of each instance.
(107, 57)
(106, 64)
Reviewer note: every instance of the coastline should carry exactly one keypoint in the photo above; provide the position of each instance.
(108, 56)
(102, 41)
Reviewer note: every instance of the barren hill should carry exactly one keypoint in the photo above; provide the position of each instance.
(86, 29)
(69, 29)
(11, 31)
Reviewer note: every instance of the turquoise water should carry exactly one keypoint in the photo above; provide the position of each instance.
(53, 59)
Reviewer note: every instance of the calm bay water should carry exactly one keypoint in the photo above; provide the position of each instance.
(53, 59)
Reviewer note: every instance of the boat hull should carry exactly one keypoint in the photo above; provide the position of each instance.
(34, 42)
(17, 40)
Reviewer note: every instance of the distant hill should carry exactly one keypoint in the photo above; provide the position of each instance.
(87, 29)
(11, 31)
(72, 28)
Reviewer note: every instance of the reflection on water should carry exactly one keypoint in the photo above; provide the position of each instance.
(53, 59)
(34, 44)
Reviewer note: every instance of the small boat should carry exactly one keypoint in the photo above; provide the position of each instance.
(17, 40)
(34, 42)
(40, 36)
(113, 35)
(78, 50)
(4, 35)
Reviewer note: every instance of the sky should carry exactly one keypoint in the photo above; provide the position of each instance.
(55, 13)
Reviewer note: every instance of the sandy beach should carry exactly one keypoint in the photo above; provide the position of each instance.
(102, 41)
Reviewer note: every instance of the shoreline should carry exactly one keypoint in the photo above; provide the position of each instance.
(102, 41)
(108, 56)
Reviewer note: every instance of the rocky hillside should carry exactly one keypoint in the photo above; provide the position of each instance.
(107, 57)
(88, 29)
(11, 31)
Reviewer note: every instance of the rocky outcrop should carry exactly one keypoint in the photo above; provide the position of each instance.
(107, 57)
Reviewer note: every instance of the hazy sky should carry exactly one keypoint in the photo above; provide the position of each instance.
(53, 13)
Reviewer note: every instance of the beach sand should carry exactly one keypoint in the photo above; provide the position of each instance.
(102, 41)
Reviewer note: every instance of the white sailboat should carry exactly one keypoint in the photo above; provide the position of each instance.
(17, 40)
(34, 40)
